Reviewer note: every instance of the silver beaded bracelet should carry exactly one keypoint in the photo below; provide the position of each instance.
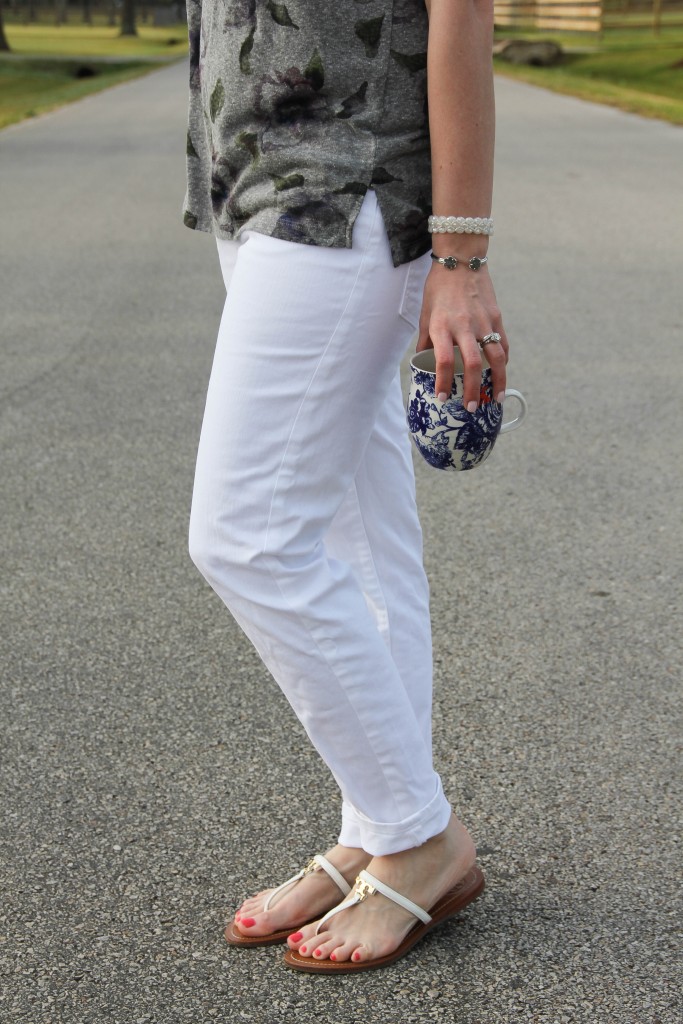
(460, 225)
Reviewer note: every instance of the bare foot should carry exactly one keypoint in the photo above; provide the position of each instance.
(377, 926)
(311, 897)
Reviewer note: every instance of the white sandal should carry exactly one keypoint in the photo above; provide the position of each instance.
(319, 863)
(367, 885)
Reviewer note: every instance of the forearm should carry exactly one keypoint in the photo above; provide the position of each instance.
(461, 116)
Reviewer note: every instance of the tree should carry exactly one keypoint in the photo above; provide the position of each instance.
(4, 45)
(128, 19)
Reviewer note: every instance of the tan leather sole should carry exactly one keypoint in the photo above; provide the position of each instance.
(448, 906)
(237, 938)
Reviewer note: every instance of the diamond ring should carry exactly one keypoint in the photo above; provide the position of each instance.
(489, 339)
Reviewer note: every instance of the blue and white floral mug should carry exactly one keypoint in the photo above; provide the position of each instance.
(446, 435)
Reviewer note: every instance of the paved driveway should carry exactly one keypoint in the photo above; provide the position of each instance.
(150, 771)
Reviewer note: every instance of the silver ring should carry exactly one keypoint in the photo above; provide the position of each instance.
(490, 339)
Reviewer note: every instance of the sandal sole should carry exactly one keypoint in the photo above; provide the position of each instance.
(236, 938)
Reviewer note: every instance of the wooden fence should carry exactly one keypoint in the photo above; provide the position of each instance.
(587, 15)
(575, 15)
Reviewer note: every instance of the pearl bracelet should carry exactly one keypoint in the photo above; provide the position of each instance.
(460, 225)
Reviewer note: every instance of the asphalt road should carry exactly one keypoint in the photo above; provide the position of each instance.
(151, 773)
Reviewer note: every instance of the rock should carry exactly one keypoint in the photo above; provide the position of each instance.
(538, 52)
(85, 71)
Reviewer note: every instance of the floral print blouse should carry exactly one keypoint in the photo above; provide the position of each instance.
(297, 108)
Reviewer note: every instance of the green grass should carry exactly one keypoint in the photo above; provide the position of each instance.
(632, 69)
(97, 40)
(38, 75)
(34, 86)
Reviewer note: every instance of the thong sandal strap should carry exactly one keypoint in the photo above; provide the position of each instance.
(335, 875)
(318, 862)
(366, 885)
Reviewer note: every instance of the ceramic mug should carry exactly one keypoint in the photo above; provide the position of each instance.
(446, 435)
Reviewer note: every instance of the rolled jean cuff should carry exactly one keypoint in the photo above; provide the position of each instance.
(380, 838)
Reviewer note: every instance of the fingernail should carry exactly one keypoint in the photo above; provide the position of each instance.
(442, 396)
(471, 406)
(297, 936)
(501, 398)
(248, 922)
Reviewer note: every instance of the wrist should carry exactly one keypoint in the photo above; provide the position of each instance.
(463, 247)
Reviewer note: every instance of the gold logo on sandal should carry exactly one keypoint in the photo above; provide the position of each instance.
(364, 889)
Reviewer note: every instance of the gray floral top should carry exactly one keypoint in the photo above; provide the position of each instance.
(297, 108)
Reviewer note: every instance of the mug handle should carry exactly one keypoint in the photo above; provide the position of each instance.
(519, 419)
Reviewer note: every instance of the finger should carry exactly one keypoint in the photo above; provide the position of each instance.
(504, 344)
(495, 356)
(423, 339)
(497, 325)
(445, 364)
(471, 357)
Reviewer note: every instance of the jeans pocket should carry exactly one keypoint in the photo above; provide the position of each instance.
(413, 289)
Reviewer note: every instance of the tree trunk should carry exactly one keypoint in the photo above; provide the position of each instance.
(4, 45)
(60, 12)
(128, 19)
(657, 16)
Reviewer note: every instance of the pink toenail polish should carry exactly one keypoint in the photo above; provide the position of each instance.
(333, 956)
(297, 936)
(248, 922)
(356, 956)
(302, 949)
(317, 953)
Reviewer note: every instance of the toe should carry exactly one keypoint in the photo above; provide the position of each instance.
(256, 924)
(244, 924)
(251, 905)
(322, 950)
(304, 937)
(341, 953)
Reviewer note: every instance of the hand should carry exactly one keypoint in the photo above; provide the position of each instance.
(458, 307)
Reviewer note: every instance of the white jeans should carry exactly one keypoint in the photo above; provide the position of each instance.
(304, 518)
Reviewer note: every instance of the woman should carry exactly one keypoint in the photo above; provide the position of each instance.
(312, 159)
